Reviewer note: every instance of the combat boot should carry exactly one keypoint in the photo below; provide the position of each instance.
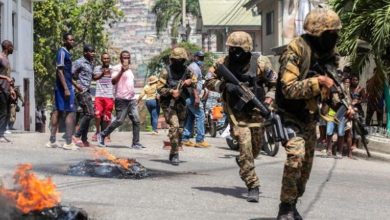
(286, 211)
(297, 216)
(253, 194)
(174, 158)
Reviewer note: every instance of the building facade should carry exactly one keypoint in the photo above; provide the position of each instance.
(281, 20)
(219, 18)
(16, 25)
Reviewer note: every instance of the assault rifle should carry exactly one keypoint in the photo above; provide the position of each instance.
(179, 87)
(280, 133)
(339, 87)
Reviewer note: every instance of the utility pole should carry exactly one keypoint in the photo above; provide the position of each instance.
(183, 21)
(183, 12)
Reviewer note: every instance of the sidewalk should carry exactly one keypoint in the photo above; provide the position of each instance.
(379, 148)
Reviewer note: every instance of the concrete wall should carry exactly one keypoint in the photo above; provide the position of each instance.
(20, 32)
(270, 40)
(137, 33)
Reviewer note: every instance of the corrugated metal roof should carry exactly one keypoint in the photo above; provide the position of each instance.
(227, 13)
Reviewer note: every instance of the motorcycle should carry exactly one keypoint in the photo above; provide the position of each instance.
(270, 146)
(215, 120)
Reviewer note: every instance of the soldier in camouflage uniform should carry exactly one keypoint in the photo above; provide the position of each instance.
(245, 121)
(174, 85)
(14, 107)
(297, 94)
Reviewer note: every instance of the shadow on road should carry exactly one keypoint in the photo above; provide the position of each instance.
(236, 192)
(321, 189)
(263, 218)
(167, 161)
(117, 146)
(229, 156)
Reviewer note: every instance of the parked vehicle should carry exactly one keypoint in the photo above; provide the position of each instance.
(215, 120)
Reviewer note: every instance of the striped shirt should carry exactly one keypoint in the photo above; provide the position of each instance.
(104, 87)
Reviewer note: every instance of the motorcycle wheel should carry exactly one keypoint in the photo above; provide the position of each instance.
(232, 143)
(270, 147)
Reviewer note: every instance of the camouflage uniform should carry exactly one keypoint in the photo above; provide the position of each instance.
(13, 108)
(245, 126)
(174, 110)
(297, 95)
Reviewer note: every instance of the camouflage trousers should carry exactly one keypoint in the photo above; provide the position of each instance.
(250, 141)
(12, 113)
(175, 117)
(300, 153)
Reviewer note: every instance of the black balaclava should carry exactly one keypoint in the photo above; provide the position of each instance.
(238, 59)
(238, 56)
(328, 40)
(324, 43)
(178, 65)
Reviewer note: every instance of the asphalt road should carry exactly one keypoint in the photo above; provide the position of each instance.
(206, 185)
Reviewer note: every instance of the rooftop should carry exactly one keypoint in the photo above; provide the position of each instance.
(227, 13)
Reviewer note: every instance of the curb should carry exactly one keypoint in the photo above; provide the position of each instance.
(374, 155)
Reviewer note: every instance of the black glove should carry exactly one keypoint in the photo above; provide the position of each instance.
(232, 88)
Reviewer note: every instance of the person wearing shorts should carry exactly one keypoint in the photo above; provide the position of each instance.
(64, 96)
(104, 98)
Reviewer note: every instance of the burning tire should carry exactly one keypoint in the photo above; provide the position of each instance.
(108, 169)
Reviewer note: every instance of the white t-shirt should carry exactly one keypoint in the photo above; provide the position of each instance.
(124, 88)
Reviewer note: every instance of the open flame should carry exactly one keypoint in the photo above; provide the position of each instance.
(31, 193)
(125, 163)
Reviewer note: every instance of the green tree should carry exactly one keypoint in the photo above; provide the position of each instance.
(52, 18)
(169, 13)
(366, 22)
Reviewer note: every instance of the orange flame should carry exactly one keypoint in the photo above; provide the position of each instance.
(125, 163)
(32, 193)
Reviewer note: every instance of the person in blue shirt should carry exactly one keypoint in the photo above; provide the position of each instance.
(194, 111)
(63, 95)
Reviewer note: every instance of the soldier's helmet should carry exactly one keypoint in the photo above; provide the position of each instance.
(178, 53)
(320, 20)
(240, 39)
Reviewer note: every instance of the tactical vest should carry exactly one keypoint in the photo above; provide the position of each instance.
(252, 81)
(172, 83)
(297, 108)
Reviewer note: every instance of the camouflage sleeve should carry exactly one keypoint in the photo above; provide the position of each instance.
(290, 69)
(19, 95)
(162, 86)
(194, 79)
(266, 72)
(213, 82)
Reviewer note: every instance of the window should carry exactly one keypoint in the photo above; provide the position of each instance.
(269, 23)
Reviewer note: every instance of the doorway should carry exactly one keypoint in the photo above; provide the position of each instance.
(26, 90)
